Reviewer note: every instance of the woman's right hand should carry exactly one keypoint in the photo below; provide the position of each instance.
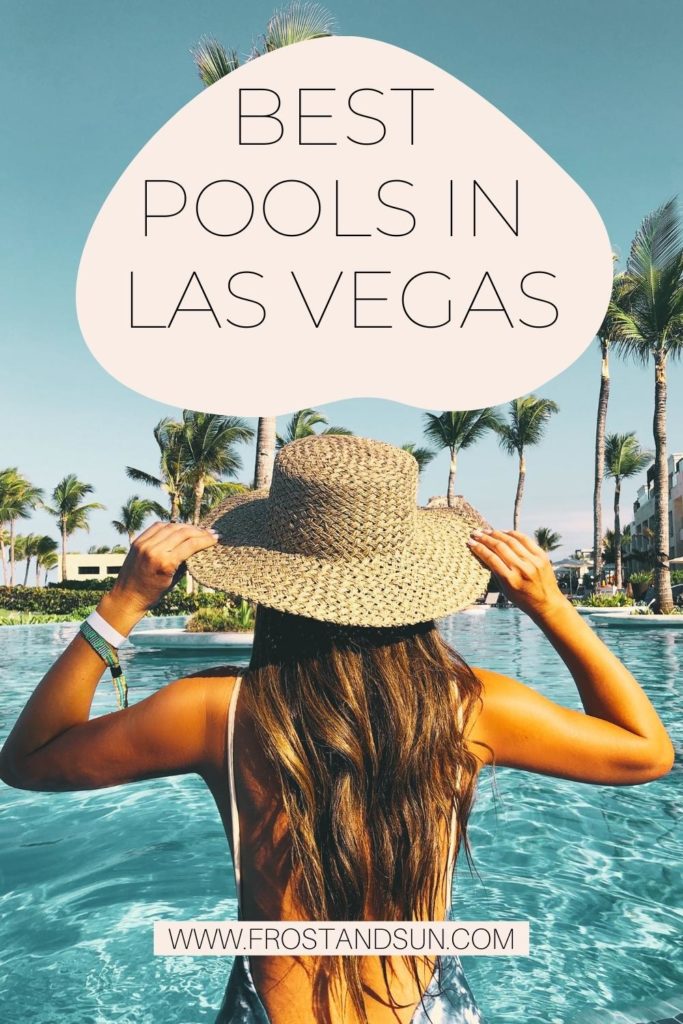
(152, 566)
(523, 568)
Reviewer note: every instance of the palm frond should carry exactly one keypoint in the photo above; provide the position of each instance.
(302, 423)
(624, 457)
(528, 418)
(213, 61)
(657, 242)
(647, 311)
(143, 478)
(344, 431)
(297, 23)
(423, 456)
(457, 430)
(547, 539)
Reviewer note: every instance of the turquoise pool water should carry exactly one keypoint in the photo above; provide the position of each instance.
(596, 870)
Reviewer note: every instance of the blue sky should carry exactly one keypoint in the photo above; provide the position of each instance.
(84, 86)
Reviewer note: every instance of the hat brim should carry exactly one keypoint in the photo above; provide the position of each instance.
(435, 575)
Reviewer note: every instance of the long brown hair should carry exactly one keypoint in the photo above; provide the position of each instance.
(361, 727)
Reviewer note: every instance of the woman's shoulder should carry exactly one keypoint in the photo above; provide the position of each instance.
(212, 690)
(214, 687)
(500, 698)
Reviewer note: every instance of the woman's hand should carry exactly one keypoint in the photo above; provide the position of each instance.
(523, 568)
(153, 565)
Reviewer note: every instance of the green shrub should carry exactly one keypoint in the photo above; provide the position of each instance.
(48, 601)
(210, 620)
(607, 601)
(643, 576)
(99, 585)
(75, 603)
(676, 577)
(227, 619)
(27, 618)
(640, 583)
(243, 616)
(179, 602)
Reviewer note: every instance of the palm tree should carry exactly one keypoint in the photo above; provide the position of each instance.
(7, 477)
(217, 491)
(423, 456)
(20, 547)
(303, 423)
(133, 515)
(168, 435)
(528, 419)
(68, 509)
(7, 487)
(209, 442)
(608, 549)
(29, 551)
(47, 562)
(605, 337)
(4, 541)
(18, 498)
(547, 539)
(648, 322)
(296, 23)
(46, 557)
(456, 431)
(624, 458)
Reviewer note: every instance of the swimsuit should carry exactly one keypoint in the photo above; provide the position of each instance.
(446, 1000)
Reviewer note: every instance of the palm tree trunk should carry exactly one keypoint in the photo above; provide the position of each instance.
(11, 552)
(63, 532)
(175, 508)
(3, 555)
(520, 491)
(664, 597)
(28, 564)
(265, 451)
(617, 533)
(198, 495)
(450, 494)
(600, 429)
(37, 572)
(196, 515)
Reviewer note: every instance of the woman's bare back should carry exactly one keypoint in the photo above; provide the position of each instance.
(283, 982)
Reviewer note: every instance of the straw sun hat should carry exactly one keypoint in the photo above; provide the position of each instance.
(339, 537)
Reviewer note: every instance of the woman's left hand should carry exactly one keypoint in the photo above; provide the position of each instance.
(523, 569)
(152, 566)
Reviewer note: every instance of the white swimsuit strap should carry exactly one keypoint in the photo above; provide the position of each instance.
(234, 813)
(454, 826)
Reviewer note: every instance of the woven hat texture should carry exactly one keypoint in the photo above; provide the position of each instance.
(339, 537)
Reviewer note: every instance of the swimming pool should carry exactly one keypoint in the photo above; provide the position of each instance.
(596, 870)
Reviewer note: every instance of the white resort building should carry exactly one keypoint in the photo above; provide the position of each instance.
(91, 566)
(643, 523)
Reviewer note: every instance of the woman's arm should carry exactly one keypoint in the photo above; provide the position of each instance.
(620, 740)
(54, 746)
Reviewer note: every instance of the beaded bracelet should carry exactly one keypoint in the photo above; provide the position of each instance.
(110, 657)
